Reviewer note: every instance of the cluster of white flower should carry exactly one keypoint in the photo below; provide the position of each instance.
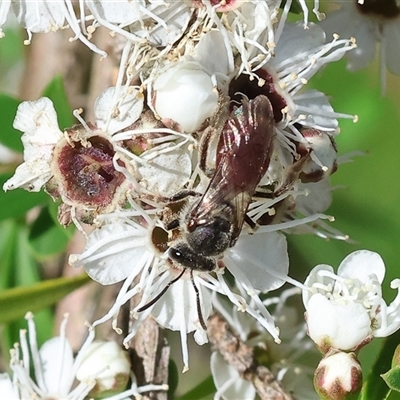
(98, 369)
(204, 150)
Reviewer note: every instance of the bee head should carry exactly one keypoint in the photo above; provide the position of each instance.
(187, 258)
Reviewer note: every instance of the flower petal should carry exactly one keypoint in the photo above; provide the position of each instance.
(263, 258)
(112, 253)
(361, 265)
(115, 110)
(57, 361)
(167, 173)
(341, 326)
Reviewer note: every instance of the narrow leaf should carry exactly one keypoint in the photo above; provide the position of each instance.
(47, 237)
(15, 303)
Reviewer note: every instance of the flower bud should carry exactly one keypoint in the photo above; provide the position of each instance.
(108, 365)
(185, 96)
(338, 377)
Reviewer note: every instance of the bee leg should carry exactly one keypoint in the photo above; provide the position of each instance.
(182, 195)
(207, 137)
(250, 222)
(172, 225)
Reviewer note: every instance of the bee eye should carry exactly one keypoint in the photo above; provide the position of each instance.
(175, 254)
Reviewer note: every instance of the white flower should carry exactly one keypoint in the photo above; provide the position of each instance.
(38, 120)
(99, 366)
(345, 311)
(370, 23)
(285, 360)
(132, 244)
(80, 165)
(54, 366)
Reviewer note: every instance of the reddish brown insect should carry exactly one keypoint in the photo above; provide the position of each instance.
(214, 222)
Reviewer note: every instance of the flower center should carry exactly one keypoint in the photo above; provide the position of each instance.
(388, 9)
(88, 172)
(253, 88)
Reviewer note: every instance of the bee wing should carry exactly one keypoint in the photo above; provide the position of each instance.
(244, 153)
(240, 203)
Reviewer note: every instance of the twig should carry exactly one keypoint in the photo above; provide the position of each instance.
(240, 356)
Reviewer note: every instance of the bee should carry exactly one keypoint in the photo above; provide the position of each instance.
(214, 222)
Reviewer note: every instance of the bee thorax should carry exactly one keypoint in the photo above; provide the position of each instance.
(211, 239)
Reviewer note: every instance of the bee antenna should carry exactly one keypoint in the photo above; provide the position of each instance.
(158, 297)
(199, 313)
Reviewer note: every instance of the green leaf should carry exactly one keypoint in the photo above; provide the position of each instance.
(374, 386)
(15, 203)
(392, 378)
(47, 237)
(203, 389)
(15, 303)
(9, 136)
(55, 91)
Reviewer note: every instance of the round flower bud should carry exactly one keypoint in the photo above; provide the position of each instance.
(108, 365)
(338, 376)
(184, 96)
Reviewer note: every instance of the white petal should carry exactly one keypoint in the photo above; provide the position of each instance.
(228, 379)
(105, 362)
(317, 109)
(295, 40)
(361, 265)
(364, 53)
(57, 360)
(30, 176)
(176, 16)
(179, 306)
(40, 15)
(115, 110)
(389, 315)
(7, 389)
(348, 22)
(112, 252)
(315, 278)
(319, 197)
(167, 173)
(211, 51)
(4, 10)
(342, 326)
(38, 120)
(119, 12)
(263, 258)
